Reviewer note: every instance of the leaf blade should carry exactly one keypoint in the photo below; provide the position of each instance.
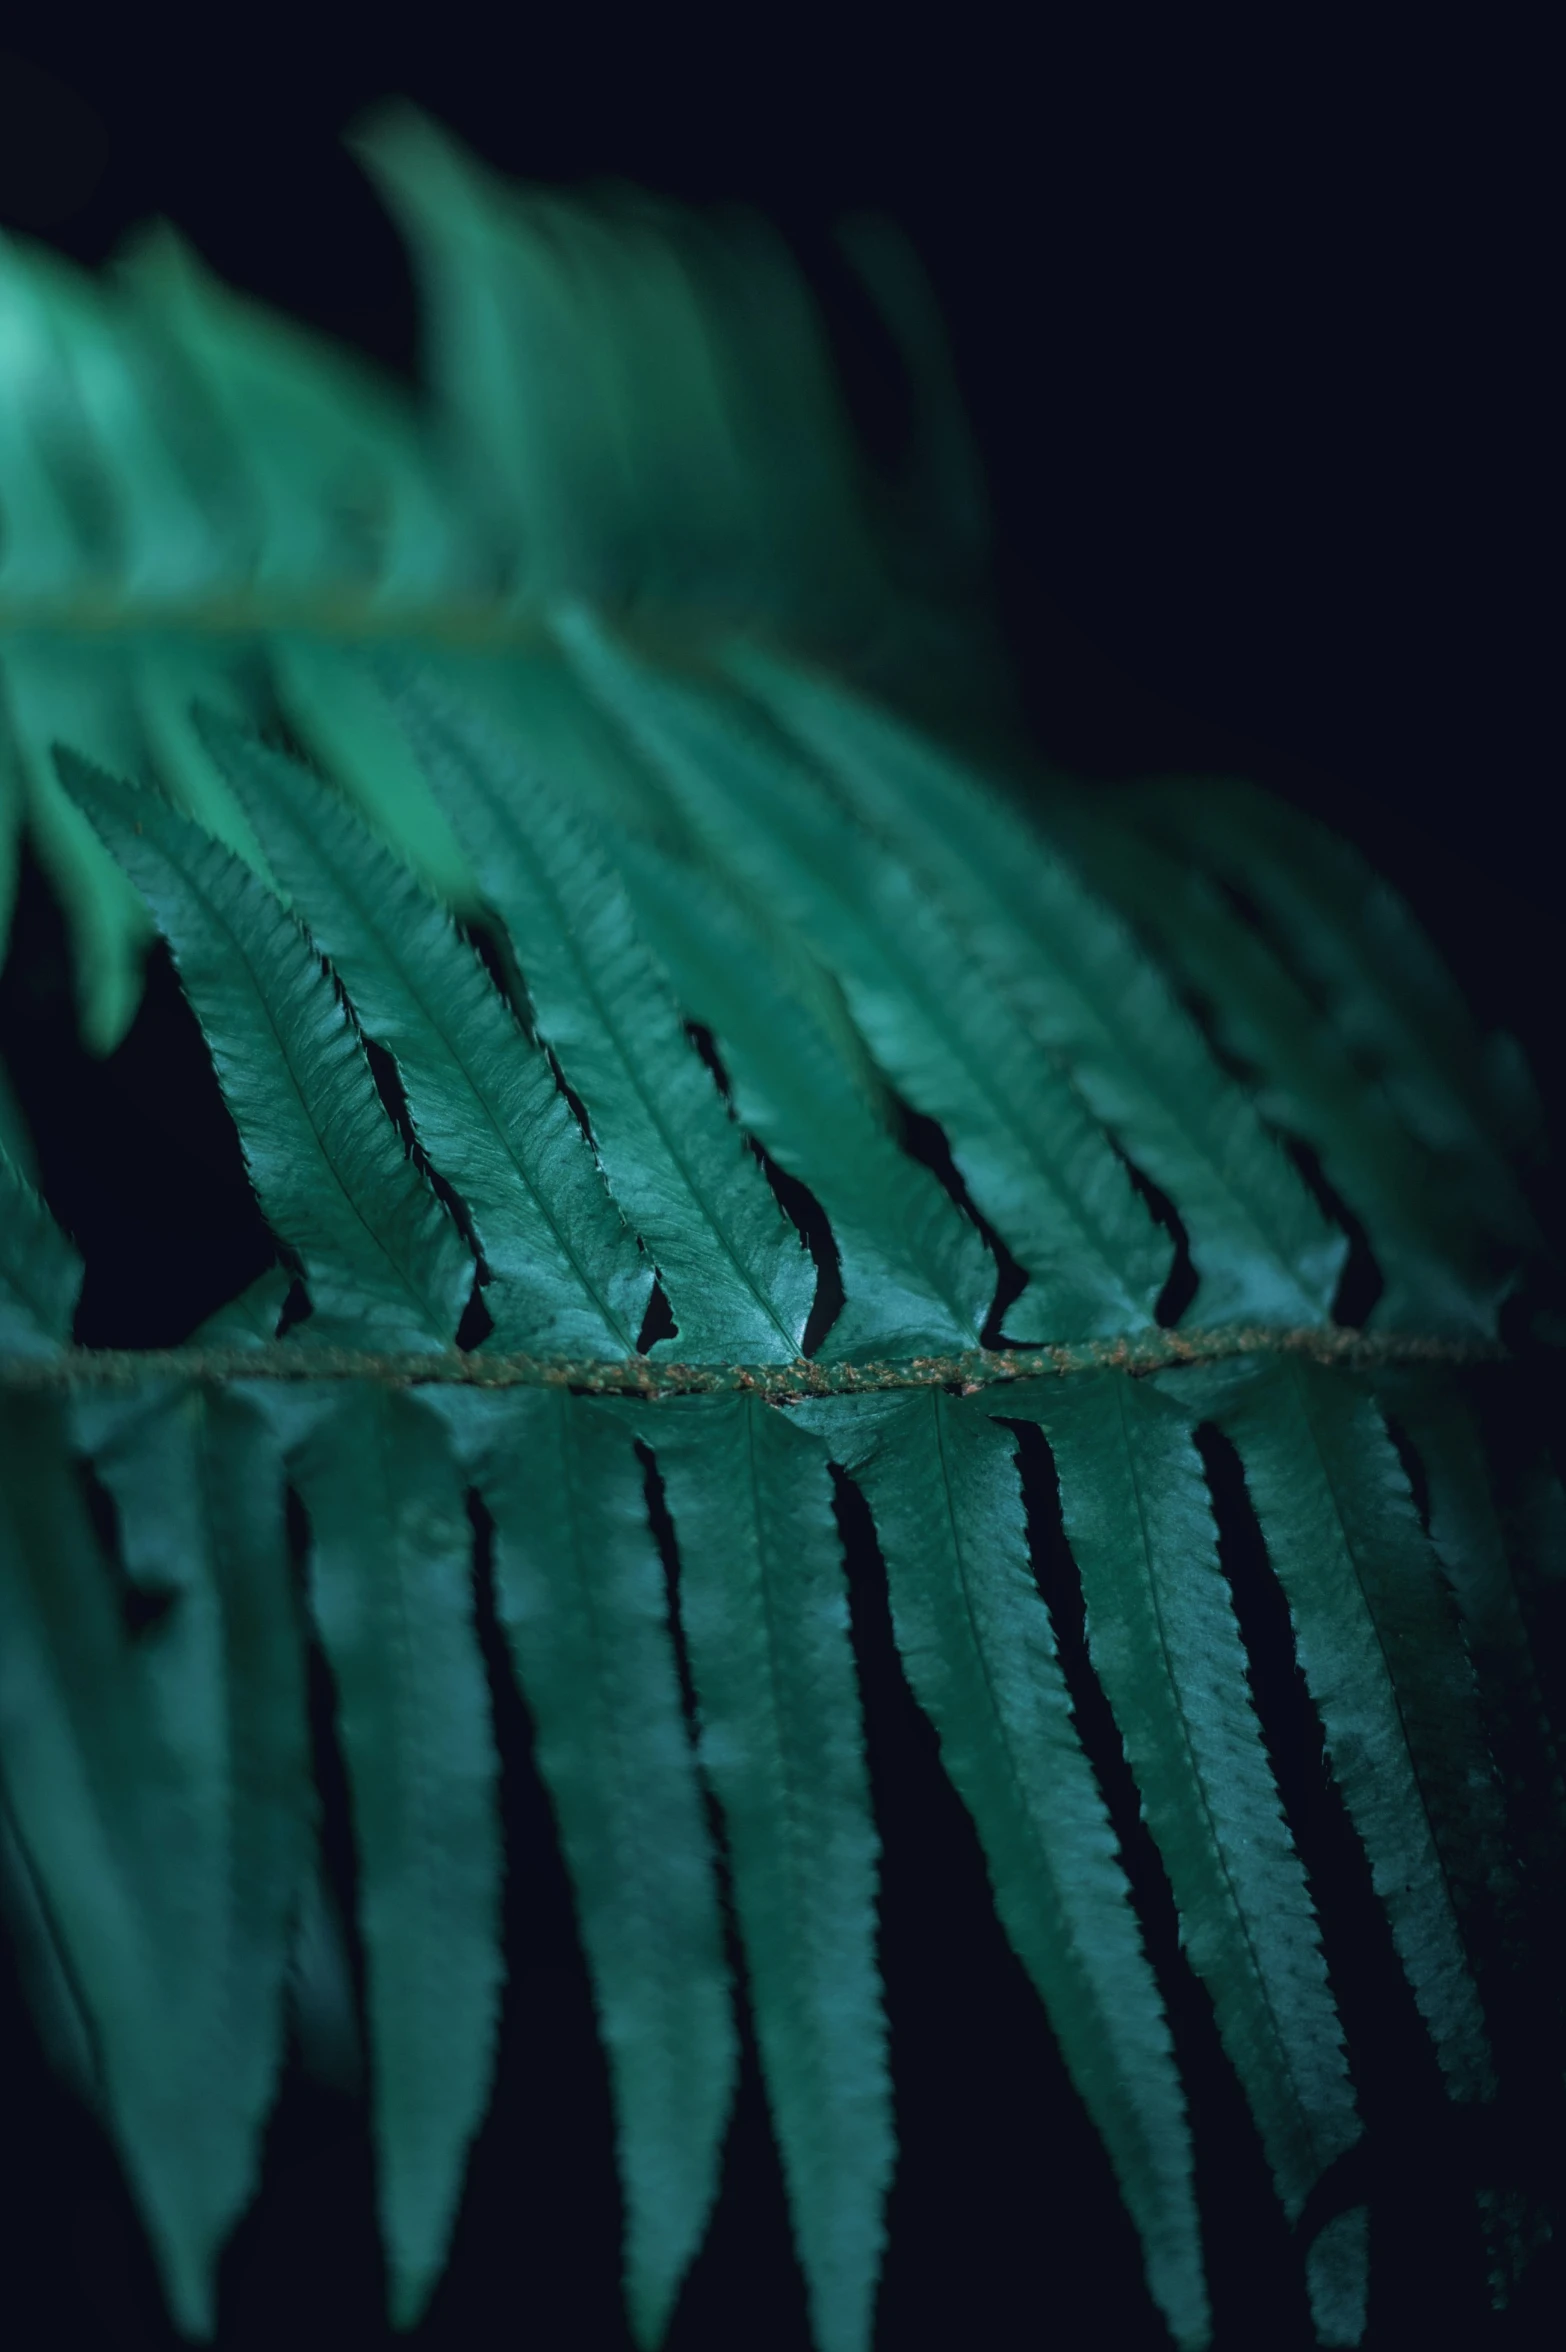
(1262, 1250)
(579, 1592)
(381, 1258)
(566, 1275)
(737, 1279)
(1036, 1163)
(389, 1580)
(1163, 1639)
(917, 1277)
(976, 1643)
(162, 1787)
(1384, 1663)
(40, 1270)
(764, 1606)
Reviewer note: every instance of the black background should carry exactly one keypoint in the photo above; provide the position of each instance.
(1253, 333)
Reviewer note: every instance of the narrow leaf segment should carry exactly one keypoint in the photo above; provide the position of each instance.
(391, 1591)
(734, 1271)
(380, 1255)
(917, 1276)
(1036, 1162)
(579, 1590)
(159, 1780)
(565, 1275)
(980, 1655)
(40, 1272)
(1166, 1646)
(764, 1607)
(1262, 1250)
(1384, 1662)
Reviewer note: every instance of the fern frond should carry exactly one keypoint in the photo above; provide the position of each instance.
(1471, 1544)
(40, 1272)
(1384, 1662)
(564, 1274)
(1163, 1638)
(579, 1592)
(1262, 1250)
(379, 1252)
(917, 1277)
(977, 1645)
(1035, 1161)
(161, 1782)
(736, 1275)
(1438, 1269)
(764, 1608)
(696, 371)
(391, 1596)
(629, 682)
(1386, 992)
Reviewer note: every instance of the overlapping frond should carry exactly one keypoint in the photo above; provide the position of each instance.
(599, 930)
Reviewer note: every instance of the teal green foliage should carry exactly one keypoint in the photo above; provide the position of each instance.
(1266, 1252)
(391, 1596)
(1470, 1541)
(1440, 1267)
(979, 1651)
(1164, 1641)
(917, 1277)
(1379, 1645)
(579, 1591)
(161, 1789)
(1034, 1160)
(564, 1274)
(381, 1255)
(40, 1272)
(736, 1276)
(658, 900)
(765, 1611)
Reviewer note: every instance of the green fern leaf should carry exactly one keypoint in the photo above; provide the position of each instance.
(1471, 1544)
(737, 1280)
(1437, 1271)
(600, 646)
(1035, 1162)
(170, 679)
(52, 692)
(391, 1594)
(979, 1652)
(40, 1272)
(252, 1319)
(764, 1608)
(340, 715)
(643, 404)
(579, 1592)
(1349, 935)
(43, 1969)
(1383, 1661)
(312, 481)
(1262, 1250)
(917, 1277)
(382, 1260)
(564, 1273)
(1164, 1641)
(160, 1782)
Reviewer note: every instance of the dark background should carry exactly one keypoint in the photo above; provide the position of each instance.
(1253, 336)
